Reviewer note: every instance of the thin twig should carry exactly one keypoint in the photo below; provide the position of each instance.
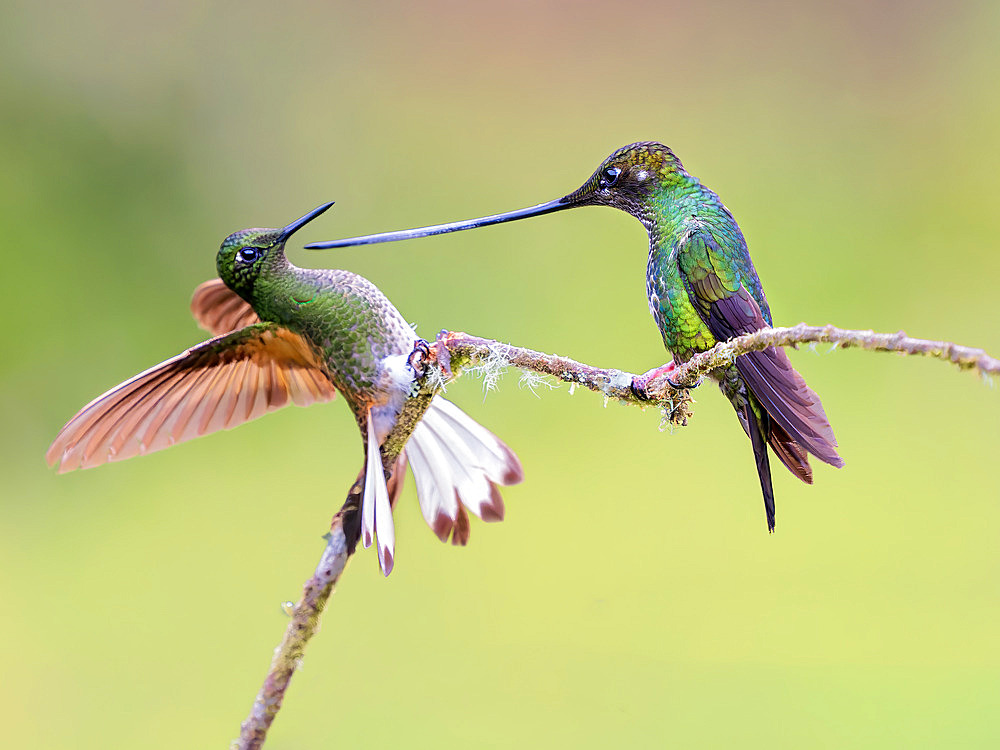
(345, 531)
(965, 357)
(455, 351)
(470, 351)
(304, 623)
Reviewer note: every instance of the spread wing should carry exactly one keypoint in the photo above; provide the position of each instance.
(215, 385)
(718, 287)
(220, 310)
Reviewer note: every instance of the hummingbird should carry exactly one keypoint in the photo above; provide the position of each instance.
(284, 334)
(702, 289)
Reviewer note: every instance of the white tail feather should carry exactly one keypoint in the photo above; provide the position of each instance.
(456, 464)
(467, 476)
(376, 513)
(454, 458)
(493, 456)
(430, 473)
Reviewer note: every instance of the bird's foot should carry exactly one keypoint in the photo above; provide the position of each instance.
(678, 387)
(641, 383)
(419, 357)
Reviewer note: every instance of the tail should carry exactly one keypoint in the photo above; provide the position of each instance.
(757, 425)
(786, 414)
(794, 408)
(457, 464)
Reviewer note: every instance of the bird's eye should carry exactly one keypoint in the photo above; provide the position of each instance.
(248, 254)
(609, 176)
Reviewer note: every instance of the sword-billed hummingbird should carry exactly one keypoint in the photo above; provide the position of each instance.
(702, 289)
(292, 335)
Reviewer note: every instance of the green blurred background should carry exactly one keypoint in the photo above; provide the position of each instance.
(633, 595)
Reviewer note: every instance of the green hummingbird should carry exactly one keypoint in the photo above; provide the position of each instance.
(702, 289)
(284, 335)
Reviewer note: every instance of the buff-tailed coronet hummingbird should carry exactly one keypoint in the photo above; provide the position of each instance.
(702, 289)
(284, 335)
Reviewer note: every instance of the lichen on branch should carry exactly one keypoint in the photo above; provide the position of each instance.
(457, 351)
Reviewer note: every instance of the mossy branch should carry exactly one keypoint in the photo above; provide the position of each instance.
(460, 350)
(303, 624)
(453, 352)
(341, 541)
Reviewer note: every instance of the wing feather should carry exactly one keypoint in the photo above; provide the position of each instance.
(220, 310)
(729, 309)
(215, 385)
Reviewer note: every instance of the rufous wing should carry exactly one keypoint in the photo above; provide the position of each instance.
(218, 309)
(215, 385)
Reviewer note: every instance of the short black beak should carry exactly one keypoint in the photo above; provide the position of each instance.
(299, 223)
(457, 226)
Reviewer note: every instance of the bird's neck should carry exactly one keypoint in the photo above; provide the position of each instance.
(281, 289)
(670, 207)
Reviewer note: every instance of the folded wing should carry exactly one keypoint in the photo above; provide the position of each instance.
(781, 390)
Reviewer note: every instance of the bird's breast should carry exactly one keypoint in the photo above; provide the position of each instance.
(680, 325)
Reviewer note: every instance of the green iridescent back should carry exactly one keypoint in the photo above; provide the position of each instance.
(343, 315)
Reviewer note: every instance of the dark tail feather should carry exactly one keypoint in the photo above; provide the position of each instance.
(792, 455)
(758, 429)
(794, 408)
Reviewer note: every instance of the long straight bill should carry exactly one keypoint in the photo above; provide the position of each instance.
(457, 226)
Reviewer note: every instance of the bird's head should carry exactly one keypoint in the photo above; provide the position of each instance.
(626, 179)
(244, 254)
